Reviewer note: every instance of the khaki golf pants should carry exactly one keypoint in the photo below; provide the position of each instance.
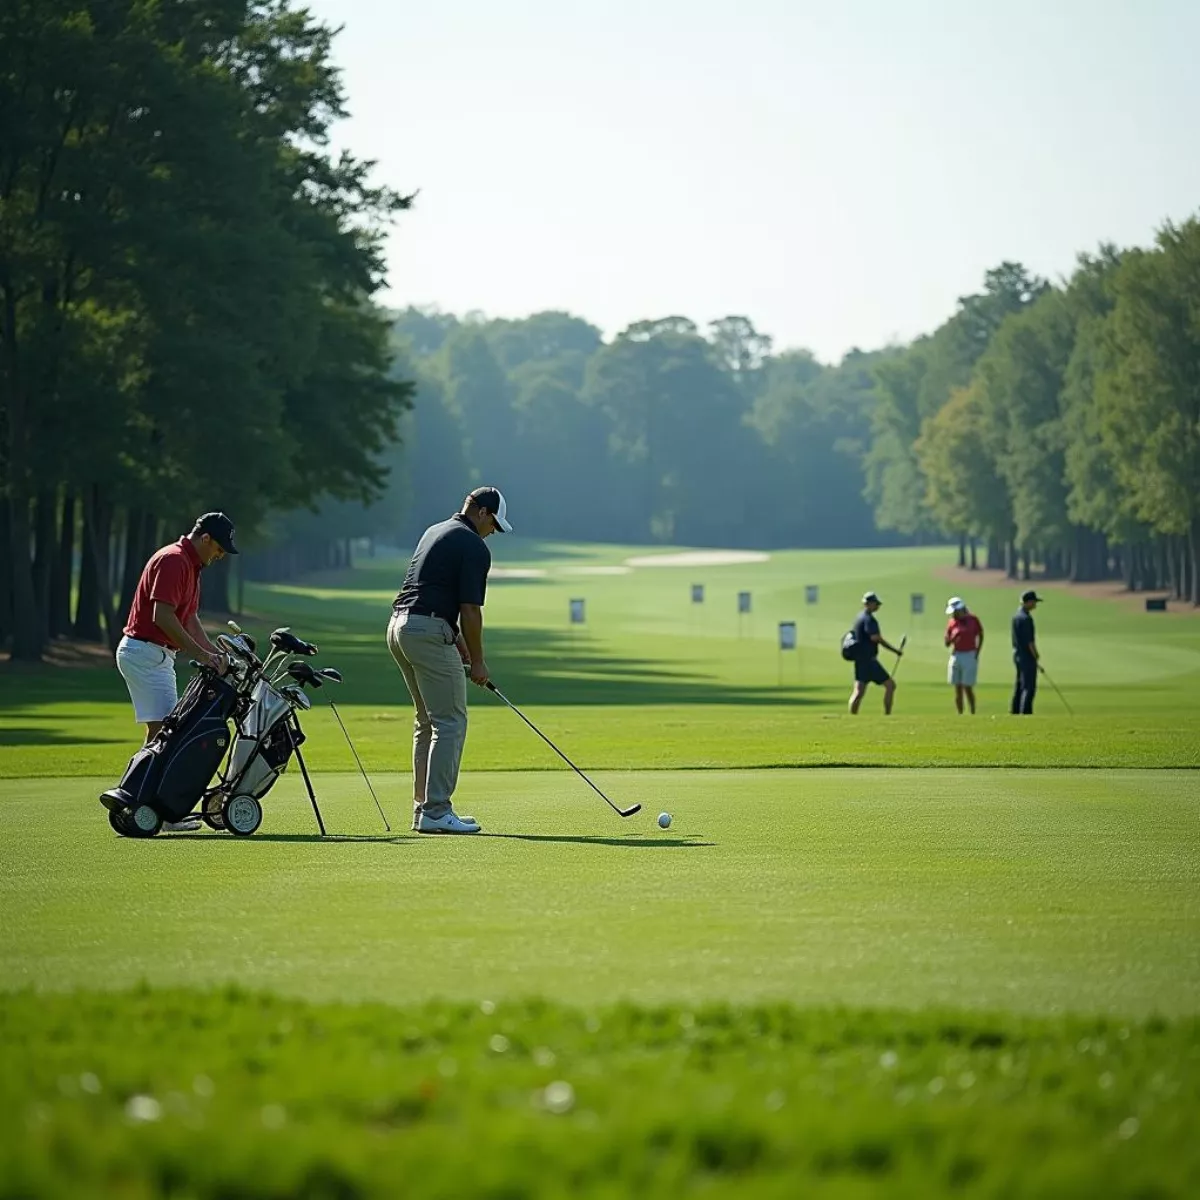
(424, 650)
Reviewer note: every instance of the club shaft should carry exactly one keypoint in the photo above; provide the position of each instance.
(492, 688)
(363, 769)
(1057, 689)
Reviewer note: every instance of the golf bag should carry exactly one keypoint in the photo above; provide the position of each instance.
(170, 775)
(265, 741)
(851, 646)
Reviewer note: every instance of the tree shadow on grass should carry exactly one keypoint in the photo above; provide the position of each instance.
(32, 735)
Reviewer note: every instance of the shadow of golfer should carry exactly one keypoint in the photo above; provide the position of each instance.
(632, 841)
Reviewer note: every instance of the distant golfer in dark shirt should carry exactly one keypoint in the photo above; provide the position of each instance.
(1025, 654)
(867, 667)
(436, 629)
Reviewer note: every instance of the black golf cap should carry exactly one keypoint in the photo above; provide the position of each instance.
(1026, 597)
(491, 500)
(871, 598)
(218, 527)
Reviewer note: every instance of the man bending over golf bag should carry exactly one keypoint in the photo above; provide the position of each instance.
(164, 619)
(436, 629)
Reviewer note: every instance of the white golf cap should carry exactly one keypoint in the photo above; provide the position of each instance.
(954, 604)
(491, 500)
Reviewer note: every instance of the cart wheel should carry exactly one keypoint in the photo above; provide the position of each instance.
(143, 821)
(211, 811)
(243, 815)
(116, 818)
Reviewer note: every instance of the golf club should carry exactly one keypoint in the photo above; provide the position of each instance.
(899, 657)
(621, 812)
(1055, 686)
(355, 753)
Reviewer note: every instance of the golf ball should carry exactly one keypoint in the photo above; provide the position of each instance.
(664, 819)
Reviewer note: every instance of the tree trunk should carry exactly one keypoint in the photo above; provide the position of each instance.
(140, 530)
(64, 566)
(45, 550)
(974, 543)
(1194, 546)
(241, 587)
(87, 602)
(1010, 559)
(962, 551)
(28, 636)
(6, 579)
(1025, 566)
(215, 587)
(97, 516)
(995, 554)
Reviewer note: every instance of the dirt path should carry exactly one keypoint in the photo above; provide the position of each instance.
(1111, 590)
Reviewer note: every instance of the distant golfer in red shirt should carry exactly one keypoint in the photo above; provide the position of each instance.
(164, 619)
(964, 636)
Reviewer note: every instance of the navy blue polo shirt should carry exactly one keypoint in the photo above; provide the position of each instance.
(866, 627)
(1022, 635)
(449, 568)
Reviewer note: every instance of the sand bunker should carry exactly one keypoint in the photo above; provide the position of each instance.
(516, 573)
(699, 558)
(594, 571)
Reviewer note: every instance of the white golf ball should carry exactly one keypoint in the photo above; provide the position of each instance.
(664, 819)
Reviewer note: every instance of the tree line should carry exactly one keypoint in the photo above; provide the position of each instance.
(1057, 424)
(186, 283)
(1046, 428)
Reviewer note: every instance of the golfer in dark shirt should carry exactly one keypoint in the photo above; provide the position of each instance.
(1025, 654)
(867, 667)
(436, 629)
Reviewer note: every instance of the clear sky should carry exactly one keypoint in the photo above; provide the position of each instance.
(839, 171)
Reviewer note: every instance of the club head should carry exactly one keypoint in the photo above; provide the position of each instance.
(330, 673)
(294, 694)
(284, 639)
(303, 673)
(629, 812)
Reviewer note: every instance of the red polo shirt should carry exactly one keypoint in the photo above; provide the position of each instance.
(173, 576)
(964, 631)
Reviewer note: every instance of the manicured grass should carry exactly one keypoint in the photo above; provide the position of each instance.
(1025, 891)
(226, 1095)
(919, 982)
(654, 681)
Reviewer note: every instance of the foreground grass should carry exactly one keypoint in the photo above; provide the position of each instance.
(1021, 891)
(224, 1095)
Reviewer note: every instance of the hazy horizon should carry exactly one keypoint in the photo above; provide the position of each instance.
(840, 177)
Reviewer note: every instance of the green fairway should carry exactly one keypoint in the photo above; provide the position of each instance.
(1025, 891)
(978, 974)
(652, 680)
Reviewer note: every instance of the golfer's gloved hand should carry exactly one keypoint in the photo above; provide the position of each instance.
(479, 673)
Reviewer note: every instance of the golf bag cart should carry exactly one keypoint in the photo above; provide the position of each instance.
(172, 777)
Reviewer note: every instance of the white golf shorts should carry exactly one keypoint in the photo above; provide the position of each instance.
(149, 674)
(964, 668)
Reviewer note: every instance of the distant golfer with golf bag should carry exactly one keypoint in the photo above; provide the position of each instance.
(164, 619)
(861, 646)
(436, 629)
(1025, 655)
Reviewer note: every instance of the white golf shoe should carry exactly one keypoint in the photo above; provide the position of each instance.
(449, 822)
